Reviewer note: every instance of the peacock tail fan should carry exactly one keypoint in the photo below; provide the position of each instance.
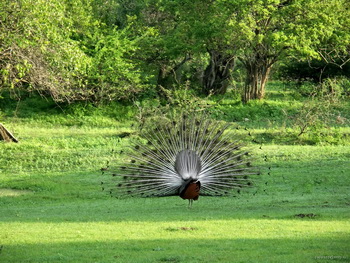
(188, 157)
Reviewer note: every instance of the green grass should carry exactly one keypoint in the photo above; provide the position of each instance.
(52, 208)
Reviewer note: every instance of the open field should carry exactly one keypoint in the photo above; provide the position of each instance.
(52, 208)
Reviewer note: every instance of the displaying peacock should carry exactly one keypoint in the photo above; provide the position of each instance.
(189, 157)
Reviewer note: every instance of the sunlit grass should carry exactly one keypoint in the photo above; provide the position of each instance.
(174, 240)
(51, 233)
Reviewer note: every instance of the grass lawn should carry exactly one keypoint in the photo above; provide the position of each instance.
(52, 208)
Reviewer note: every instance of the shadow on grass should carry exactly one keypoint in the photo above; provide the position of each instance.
(183, 250)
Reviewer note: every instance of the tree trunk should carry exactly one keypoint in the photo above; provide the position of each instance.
(217, 75)
(256, 79)
(163, 81)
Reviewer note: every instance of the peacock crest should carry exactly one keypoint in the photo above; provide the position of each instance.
(189, 157)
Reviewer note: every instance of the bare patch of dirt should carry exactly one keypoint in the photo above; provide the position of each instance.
(181, 228)
(13, 192)
(306, 215)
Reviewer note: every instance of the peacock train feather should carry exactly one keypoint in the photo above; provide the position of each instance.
(187, 158)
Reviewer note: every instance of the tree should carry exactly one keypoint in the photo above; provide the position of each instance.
(209, 29)
(168, 49)
(334, 50)
(104, 50)
(114, 74)
(37, 51)
(218, 73)
(190, 36)
(258, 33)
(278, 28)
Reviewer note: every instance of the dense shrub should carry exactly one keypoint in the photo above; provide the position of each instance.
(60, 49)
(314, 71)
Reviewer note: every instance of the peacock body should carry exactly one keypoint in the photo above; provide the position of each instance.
(187, 158)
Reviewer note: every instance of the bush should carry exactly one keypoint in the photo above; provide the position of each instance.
(330, 88)
(335, 87)
(61, 50)
(314, 71)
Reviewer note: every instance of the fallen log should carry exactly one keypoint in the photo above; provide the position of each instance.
(6, 135)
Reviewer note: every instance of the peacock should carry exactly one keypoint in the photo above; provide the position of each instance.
(188, 157)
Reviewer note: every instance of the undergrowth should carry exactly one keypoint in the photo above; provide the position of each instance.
(282, 117)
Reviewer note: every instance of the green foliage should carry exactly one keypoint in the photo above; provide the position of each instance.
(113, 74)
(259, 34)
(332, 89)
(37, 49)
(335, 88)
(123, 50)
(61, 49)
